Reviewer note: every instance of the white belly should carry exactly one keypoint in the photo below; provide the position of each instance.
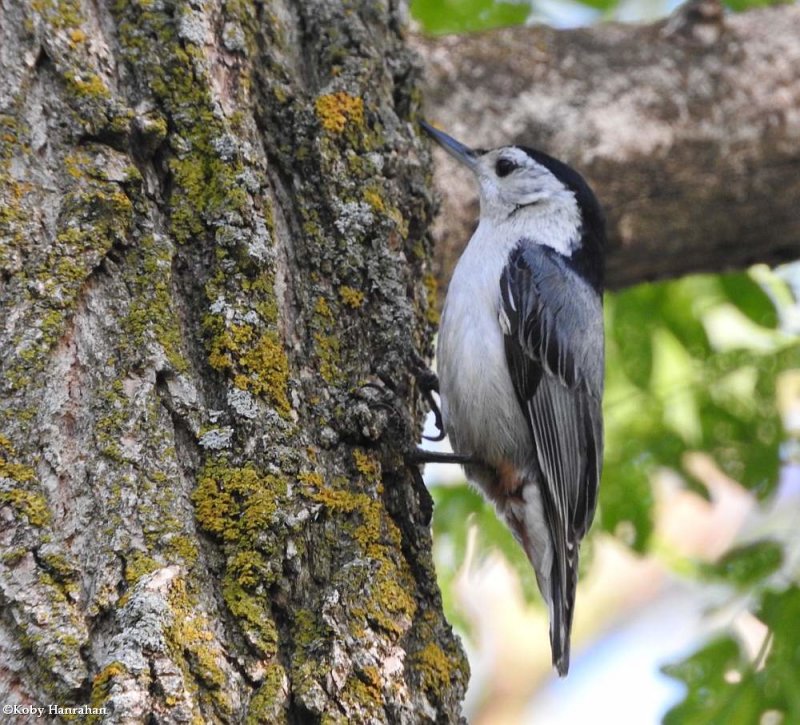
(480, 409)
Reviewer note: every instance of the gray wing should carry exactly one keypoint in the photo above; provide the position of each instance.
(553, 327)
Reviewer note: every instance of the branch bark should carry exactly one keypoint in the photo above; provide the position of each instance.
(687, 129)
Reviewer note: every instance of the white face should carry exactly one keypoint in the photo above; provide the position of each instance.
(511, 180)
(520, 198)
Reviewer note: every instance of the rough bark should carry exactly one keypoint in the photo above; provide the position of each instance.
(213, 261)
(688, 129)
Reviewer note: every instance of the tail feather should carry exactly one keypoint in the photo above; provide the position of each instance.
(554, 555)
(562, 603)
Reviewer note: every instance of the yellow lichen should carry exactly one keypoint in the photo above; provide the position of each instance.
(193, 645)
(258, 362)
(371, 676)
(238, 504)
(329, 353)
(16, 471)
(431, 298)
(337, 500)
(375, 200)
(91, 85)
(137, 565)
(267, 702)
(104, 680)
(310, 478)
(434, 666)
(252, 612)
(27, 503)
(182, 548)
(387, 601)
(391, 605)
(359, 693)
(400, 222)
(351, 297)
(322, 308)
(335, 110)
(232, 501)
(366, 465)
(269, 368)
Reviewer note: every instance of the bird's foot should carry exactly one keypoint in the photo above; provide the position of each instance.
(428, 383)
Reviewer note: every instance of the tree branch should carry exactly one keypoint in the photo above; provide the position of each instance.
(688, 130)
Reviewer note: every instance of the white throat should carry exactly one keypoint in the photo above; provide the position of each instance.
(553, 222)
(551, 225)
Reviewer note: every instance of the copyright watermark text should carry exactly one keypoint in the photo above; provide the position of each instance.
(53, 710)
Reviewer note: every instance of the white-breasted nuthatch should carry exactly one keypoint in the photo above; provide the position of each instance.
(520, 360)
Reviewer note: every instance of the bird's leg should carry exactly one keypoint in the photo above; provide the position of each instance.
(428, 383)
(419, 456)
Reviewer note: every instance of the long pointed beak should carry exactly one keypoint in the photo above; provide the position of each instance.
(464, 154)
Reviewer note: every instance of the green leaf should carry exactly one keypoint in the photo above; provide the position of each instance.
(710, 699)
(780, 611)
(745, 566)
(682, 306)
(464, 16)
(745, 442)
(632, 316)
(626, 501)
(750, 298)
(673, 379)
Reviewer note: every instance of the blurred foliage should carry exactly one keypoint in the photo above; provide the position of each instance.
(464, 16)
(689, 369)
(748, 565)
(692, 365)
(461, 512)
(724, 686)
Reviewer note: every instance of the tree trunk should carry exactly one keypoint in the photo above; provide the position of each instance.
(214, 270)
(687, 129)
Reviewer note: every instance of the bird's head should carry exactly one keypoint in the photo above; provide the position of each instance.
(517, 178)
(538, 195)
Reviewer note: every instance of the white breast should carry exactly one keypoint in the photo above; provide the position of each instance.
(480, 409)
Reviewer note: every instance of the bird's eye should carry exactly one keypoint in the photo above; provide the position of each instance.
(504, 167)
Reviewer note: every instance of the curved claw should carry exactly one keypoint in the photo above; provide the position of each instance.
(437, 417)
(429, 384)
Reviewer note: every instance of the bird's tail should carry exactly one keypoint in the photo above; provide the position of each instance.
(554, 556)
(563, 582)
